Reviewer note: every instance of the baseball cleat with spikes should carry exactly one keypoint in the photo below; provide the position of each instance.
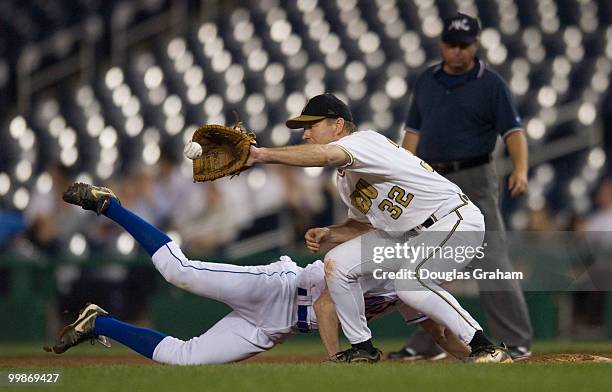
(80, 330)
(356, 355)
(89, 197)
(489, 354)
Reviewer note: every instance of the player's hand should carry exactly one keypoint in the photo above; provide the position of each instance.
(517, 182)
(316, 237)
(192, 150)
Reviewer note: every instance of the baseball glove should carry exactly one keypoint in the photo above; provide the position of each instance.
(225, 150)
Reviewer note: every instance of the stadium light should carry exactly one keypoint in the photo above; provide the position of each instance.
(174, 124)
(587, 113)
(184, 62)
(257, 60)
(5, 183)
(536, 128)
(17, 127)
(21, 198)
(335, 60)
(291, 45)
(221, 61)
(244, 31)
(298, 61)
(213, 105)
(27, 140)
(95, 125)
(295, 102)
(196, 94)
(114, 78)
(280, 30)
(77, 244)
(69, 156)
(280, 135)
(356, 90)
(157, 95)
(151, 153)
(597, 158)
(23, 170)
(396, 87)
(355, 71)
(176, 48)
(172, 105)
(44, 183)
(125, 243)
(153, 77)
(134, 125)
(108, 137)
(255, 103)
(206, 32)
(258, 122)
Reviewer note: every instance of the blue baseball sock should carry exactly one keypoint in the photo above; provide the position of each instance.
(141, 340)
(147, 235)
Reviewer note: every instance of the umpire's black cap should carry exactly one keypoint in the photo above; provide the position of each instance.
(318, 108)
(460, 29)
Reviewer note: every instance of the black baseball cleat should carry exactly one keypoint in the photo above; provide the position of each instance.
(80, 330)
(358, 355)
(89, 197)
(339, 357)
(519, 353)
(489, 354)
(409, 354)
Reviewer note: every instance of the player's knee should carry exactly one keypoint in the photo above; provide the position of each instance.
(437, 333)
(329, 267)
(180, 352)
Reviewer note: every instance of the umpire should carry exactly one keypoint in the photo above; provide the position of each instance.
(458, 109)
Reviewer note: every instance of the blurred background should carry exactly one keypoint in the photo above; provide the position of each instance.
(107, 92)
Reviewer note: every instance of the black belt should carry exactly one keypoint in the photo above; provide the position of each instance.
(433, 219)
(454, 166)
(428, 222)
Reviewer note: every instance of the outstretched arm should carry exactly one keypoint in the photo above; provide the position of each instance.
(327, 321)
(306, 155)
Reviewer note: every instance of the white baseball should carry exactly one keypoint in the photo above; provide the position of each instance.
(192, 150)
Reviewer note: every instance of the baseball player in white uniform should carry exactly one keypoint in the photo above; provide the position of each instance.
(390, 193)
(269, 302)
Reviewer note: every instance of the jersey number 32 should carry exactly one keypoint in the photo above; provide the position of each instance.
(393, 204)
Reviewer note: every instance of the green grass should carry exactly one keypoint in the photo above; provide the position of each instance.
(319, 377)
(308, 346)
(382, 377)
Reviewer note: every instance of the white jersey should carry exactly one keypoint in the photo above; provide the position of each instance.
(387, 186)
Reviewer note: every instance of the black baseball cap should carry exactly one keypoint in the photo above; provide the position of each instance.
(318, 108)
(460, 29)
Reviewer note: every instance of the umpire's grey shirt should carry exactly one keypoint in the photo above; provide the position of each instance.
(459, 117)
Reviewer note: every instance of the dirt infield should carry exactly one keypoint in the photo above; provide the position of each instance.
(52, 361)
(56, 361)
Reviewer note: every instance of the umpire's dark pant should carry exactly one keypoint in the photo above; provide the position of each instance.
(504, 304)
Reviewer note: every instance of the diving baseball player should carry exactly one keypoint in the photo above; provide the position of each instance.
(390, 193)
(269, 302)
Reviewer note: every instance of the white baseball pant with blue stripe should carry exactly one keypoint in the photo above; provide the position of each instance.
(262, 298)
